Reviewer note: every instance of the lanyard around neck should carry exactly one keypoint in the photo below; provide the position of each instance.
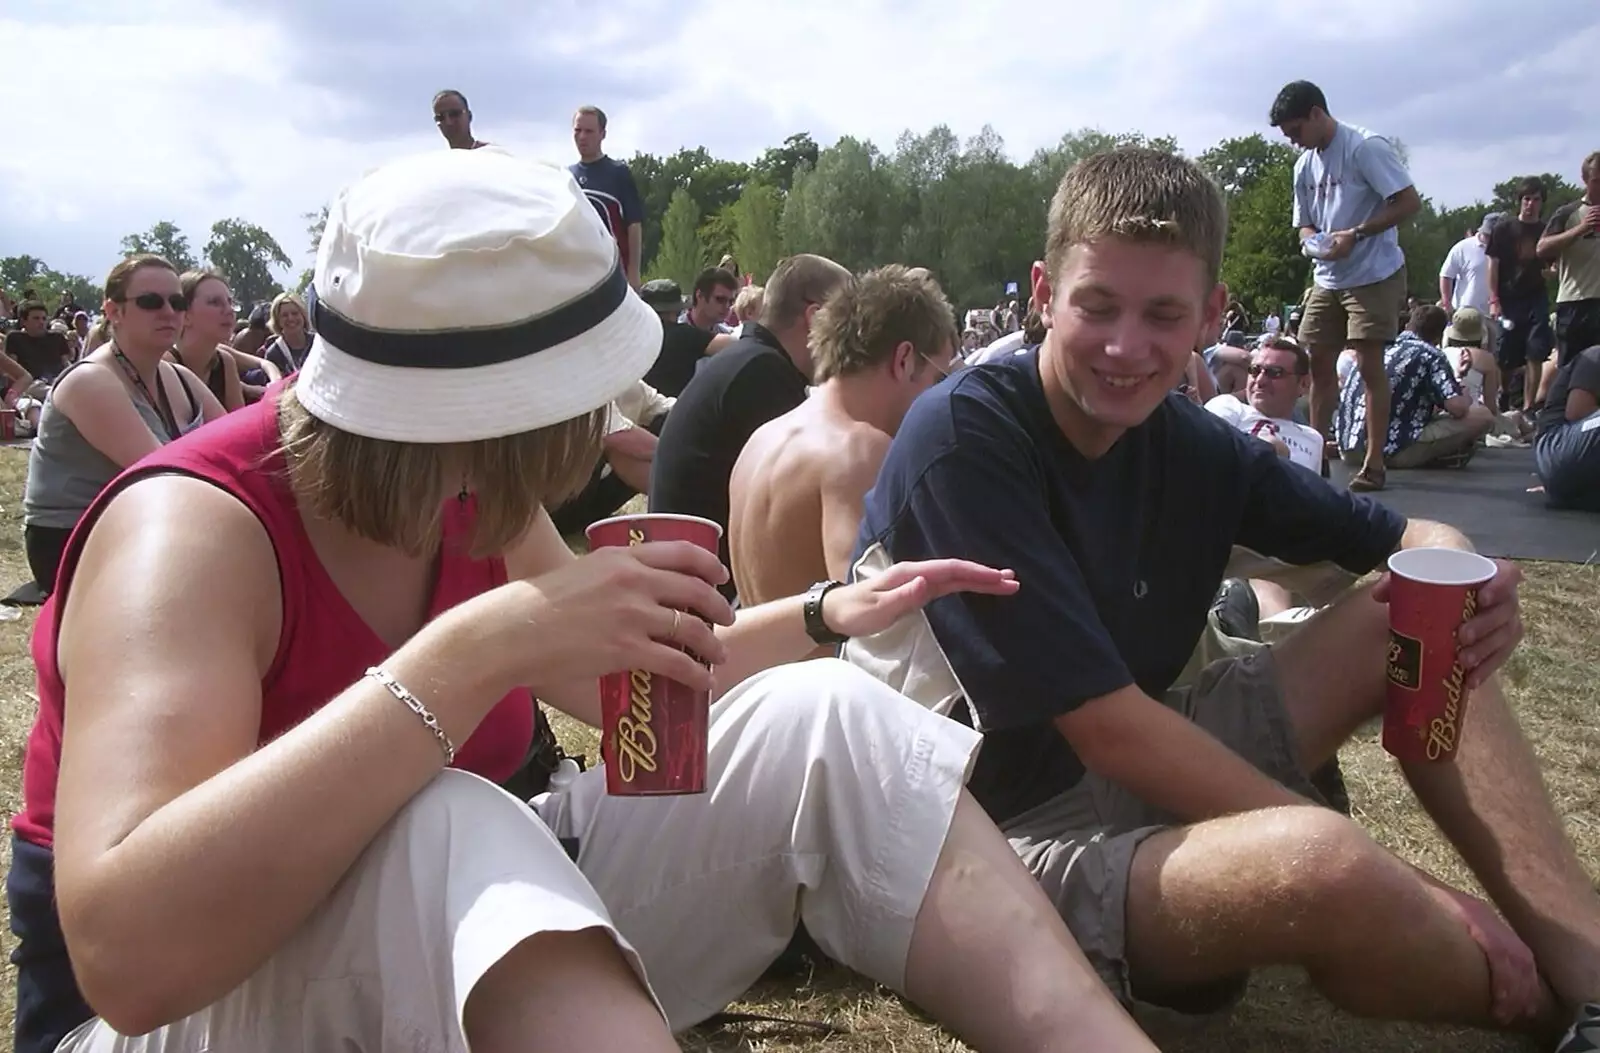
(159, 401)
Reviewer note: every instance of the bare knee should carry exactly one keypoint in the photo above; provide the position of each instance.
(1481, 418)
(1326, 863)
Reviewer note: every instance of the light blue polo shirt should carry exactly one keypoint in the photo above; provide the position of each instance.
(1343, 185)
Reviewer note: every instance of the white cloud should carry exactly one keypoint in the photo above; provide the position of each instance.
(215, 108)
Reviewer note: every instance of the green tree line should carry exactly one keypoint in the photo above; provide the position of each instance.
(965, 210)
(239, 250)
(976, 218)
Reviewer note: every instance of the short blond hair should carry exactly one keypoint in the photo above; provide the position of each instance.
(1141, 195)
(747, 305)
(796, 283)
(389, 492)
(860, 326)
(1590, 163)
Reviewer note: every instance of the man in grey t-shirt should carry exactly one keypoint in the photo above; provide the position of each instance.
(1350, 188)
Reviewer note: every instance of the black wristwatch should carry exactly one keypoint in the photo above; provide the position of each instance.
(816, 628)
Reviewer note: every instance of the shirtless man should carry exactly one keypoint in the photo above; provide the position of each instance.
(796, 492)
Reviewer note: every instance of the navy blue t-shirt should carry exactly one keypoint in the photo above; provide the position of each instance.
(611, 190)
(1118, 558)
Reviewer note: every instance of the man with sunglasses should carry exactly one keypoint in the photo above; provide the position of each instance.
(797, 489)
(454, 118)
(1279, 376)
(711, 300)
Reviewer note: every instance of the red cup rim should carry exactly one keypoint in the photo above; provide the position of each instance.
(644, 517)
(1441, 566)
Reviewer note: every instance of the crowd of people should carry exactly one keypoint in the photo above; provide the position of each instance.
(1031, 661)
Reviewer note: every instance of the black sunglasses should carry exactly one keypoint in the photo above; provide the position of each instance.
(439, 118)
(1272, 372)
(152, 301)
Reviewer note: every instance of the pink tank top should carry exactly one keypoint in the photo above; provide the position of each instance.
(323, 645)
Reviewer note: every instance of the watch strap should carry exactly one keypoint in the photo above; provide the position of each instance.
(816, 628)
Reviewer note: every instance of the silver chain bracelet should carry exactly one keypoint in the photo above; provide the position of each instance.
(413, 703)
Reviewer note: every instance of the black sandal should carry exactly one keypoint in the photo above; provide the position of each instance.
(1367, 481)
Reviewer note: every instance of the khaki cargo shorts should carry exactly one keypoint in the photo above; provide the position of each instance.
(1335, 317)
(1080, 844)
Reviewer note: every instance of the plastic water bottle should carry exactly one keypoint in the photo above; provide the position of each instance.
(1317, 246)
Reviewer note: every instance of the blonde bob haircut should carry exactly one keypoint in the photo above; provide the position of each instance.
(394, 493)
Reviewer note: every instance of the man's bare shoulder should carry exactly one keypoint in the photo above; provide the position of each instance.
(857, 451)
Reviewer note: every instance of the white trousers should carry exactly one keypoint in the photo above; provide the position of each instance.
(830, 800)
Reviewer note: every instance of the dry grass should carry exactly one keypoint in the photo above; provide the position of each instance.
(1552, 685)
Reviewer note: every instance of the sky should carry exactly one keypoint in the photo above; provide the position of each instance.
(194, 111)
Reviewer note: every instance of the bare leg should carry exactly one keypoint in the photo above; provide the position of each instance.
(1532, 389)
(1300, 886)
(564, 991)
(1492, 805)
(992, 959)
(1271, 597)
(1324, 386)
(1370, 354)
(1490, 802)
(1547, 376)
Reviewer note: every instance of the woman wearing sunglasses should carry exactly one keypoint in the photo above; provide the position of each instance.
(110, 408)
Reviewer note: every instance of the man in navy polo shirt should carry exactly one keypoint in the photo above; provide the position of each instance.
(1176, 830)
(610, 187)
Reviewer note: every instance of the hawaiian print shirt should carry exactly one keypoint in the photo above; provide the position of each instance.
(1420, 380)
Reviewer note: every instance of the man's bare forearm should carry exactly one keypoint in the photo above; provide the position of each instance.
(1166, 760)
(1551, 246)
(1395, 211)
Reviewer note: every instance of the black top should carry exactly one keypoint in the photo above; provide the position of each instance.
(43, 356)
(286, 358)
(1515, 244)
(682, 348)
(1118, 558)
(1581, 373)
(734, 392)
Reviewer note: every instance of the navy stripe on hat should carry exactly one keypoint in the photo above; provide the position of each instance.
(470, 348)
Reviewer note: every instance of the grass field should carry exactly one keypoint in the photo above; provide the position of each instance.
(1552, 683)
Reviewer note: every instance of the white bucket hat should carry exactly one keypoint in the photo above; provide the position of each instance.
(466, 295)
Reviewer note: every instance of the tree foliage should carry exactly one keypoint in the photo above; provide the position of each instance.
(316, 223)
(682, 253)
(21, 273)
(965, 210)
(245, 254)
(1557, 192)
(165, 240)
(756, 224)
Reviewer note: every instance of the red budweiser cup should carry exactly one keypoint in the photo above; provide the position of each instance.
(1432, 591)
(653, 729)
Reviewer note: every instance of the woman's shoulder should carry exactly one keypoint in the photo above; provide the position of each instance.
(89, 379)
